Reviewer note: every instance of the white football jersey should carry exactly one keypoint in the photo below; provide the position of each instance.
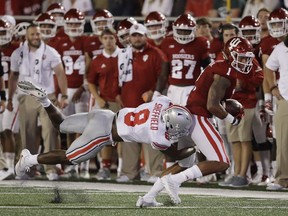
(143, 124)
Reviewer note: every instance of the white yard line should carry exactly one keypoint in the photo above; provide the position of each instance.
(109, 187)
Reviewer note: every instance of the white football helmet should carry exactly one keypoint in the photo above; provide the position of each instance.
(6, 32)
(178, 121)
(278, 23)
(20, 29)
(74, 21)
(184, 29)
(47, 25)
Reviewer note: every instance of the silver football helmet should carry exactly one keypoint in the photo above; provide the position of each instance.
(178, 121)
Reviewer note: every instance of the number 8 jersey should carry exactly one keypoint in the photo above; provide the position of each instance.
(143, 124)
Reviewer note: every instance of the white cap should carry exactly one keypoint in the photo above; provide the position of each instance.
(9, 19)
(138, 28)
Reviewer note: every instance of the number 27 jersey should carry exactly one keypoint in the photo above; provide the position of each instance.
(143, 124)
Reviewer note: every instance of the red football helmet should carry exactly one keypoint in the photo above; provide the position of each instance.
(184, 29)
(6, 32)
(278, 23)
(101, 19)
(156, 24)
(74, 21)
(250, 28)
(239, 53)
(47, 25)
(123, 30)
(57, 11)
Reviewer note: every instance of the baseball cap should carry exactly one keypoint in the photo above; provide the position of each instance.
(138, 28)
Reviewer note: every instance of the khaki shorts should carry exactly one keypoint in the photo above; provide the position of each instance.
(243, 131)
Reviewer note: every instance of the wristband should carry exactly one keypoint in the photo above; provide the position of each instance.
(3, 95)
(229, 118)
(273, 87)
(267, 97)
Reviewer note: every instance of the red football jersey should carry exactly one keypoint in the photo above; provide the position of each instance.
(103, 72)
(93, 46)
(267, 44)
(73, 57)
(197, 100)
(185, 59)
(6, 52)
(247, 95)
(146, 69)
(216, 47)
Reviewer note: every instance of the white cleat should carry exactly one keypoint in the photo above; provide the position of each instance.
(172, 188)
(22, 166)
(142, 202)
(31, 89)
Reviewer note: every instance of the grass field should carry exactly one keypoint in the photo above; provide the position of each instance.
(91, 198)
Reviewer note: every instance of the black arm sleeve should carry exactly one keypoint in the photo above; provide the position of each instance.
(1, 68)
(205, 62)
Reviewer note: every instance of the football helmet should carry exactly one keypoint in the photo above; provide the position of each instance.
(101, 19)
(57, 11)
(20, 29)
(156, 24)
(250, 28)
(6, 32)
(239, 52)
(278, 23)
(178, 121)
(47, 25)
(123, 30)
(74, 21)
(184, 29)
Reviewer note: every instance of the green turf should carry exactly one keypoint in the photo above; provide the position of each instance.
(38, 201)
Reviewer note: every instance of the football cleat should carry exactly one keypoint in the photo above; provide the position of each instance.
(31, 89)
(22, 166)
(172, 188)
(142, 202)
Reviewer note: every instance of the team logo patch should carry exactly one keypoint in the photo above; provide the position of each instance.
(103, 66)
(145, 58)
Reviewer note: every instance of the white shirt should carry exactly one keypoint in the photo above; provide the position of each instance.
(278, 60)
(50, 60)
(143, 124)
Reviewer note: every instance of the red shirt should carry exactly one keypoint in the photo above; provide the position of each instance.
(216, 47)
(185, 59)
(267, 44)
(197, 100)
(73, 57)
(146, 69)
(6, 52)
(103, 71)
(93, 46)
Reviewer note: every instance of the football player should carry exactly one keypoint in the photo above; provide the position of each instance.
(157, 123)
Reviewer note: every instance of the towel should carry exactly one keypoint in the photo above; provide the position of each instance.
(125, 68)
(32, 69)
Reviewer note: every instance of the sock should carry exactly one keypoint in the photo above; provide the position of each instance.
(84, 165)
(188, 174)
(169, 164)
(265, 158)
(259, 167)
(274, 168)
(119, 168)
(155, 190)
(45, 102)
(32, 160)
(10, 159)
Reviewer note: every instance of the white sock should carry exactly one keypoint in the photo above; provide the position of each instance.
(10, 159)
(32, 160)
(155, 190)
(259, 167)
(85, 165)
(45, 102)
(265, 158)
(169, 164)
(274, 168)
(119, 168)
(188, 174)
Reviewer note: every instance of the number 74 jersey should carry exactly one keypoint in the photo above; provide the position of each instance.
(143, 124)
